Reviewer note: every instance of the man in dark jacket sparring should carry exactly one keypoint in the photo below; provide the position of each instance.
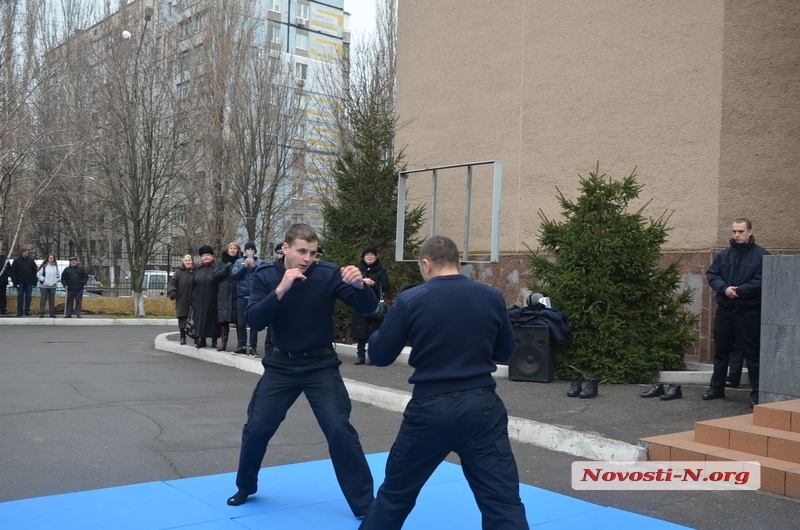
(457, 329)
(295, 297)
(735, 275)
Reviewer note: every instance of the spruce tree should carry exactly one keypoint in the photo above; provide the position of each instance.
(627, 319)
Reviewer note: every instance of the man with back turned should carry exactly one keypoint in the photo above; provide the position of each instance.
(457, 329)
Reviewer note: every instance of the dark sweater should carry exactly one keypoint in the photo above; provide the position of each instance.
(457, 329)
(303, 319)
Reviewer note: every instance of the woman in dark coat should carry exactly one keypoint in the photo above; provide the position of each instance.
(375, 276)
(204, 299)
(180, 290)
(226, 292)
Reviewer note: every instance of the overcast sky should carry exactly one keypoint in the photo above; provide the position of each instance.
(362, 15)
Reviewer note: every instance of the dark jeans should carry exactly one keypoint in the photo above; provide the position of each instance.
(74, 302)
(48, 297)
(736, 363)
(472, 423)
(241, 324)
(283, 381)
(24, 298)
(729, 325)
(361, 349)
(3, 300)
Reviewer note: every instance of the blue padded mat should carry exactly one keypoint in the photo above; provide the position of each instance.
(298, 496)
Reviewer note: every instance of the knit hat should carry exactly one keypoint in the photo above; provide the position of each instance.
(279, 247)
(23, 249)
(369, 250)
(206, 249)
(250, 244)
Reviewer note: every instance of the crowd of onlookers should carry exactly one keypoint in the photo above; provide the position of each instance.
(25, 274)
(213, 293)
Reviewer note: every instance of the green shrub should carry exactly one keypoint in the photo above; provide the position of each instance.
(626, 318)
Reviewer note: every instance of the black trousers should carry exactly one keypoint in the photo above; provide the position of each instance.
(730, 325)
(241, 324)
(472, 423)
(319, 379)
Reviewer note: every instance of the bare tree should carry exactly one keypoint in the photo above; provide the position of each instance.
(145, 133)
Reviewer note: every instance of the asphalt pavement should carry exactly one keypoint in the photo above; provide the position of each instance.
(89, 406)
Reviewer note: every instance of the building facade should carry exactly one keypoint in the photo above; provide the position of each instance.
(700, 98)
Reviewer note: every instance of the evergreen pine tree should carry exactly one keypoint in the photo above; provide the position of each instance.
(626, 318)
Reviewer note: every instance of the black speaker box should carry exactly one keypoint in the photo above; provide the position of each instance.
(533, 357)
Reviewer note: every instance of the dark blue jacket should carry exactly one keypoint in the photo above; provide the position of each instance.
(457, 329)
(244, 275)
(303, 319)
(739, 265)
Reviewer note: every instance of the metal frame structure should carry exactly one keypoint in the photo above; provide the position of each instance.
(496, 194)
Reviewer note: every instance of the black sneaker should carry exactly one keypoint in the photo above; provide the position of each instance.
(240, 350)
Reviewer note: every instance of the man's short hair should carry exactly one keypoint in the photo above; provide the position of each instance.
(300, 231)
(440, 251)
(744, 220)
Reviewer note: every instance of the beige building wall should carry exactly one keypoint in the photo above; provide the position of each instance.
(701, 97)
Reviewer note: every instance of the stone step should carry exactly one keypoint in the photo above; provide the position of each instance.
(777, 476)
(740, 434)
(783, 415)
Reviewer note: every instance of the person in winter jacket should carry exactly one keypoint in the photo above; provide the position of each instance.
(375, 276)
(204, 299)
(180, 290)
(48, 275)
(242, 272)
(5, 274)
(74, 278)
(735, 275)
(23, 274)
(226, 292)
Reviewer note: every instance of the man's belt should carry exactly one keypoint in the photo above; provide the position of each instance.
(318, 352)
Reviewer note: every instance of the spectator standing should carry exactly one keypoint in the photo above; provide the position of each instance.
(375, 277)
(458, 329)
(5, 274)
(180, 290)
(226, 292)
(735, 275)
(279, 251)
(204, 299)
(48, 275)
(242, 272)
(23, 274)
(74, 278)
(296, 298)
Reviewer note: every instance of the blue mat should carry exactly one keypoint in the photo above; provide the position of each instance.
(296, 496)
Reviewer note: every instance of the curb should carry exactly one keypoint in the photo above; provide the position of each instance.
(36, 321)
(550, 437)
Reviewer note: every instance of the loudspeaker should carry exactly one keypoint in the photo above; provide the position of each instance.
(533, 357)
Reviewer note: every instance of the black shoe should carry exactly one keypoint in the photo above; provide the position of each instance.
(214, 343)
(19, 314)
(41, 315)
(53, 316)
(674, 392)
(240, 350)
(78, 316)
(656, 390)
(369, 363)
(575, 388)
(731, 385)
(238, 499)
(27, 313)
(252, 352)
(753, 401)
(591, 389)
(713, 394)
(359, 361)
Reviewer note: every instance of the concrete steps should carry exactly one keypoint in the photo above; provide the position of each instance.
(770, 435)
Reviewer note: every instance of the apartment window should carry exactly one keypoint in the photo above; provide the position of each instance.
(275, 34)
(183, 28)
(184, 89)
(275, 5)
(302, 12)
(199, 22)
(302, 42)
(300, 70)
(179, 214)
(186, 65)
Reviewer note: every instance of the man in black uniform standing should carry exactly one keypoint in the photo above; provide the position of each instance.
(295, 297)
(735, 275)
(457, 329)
